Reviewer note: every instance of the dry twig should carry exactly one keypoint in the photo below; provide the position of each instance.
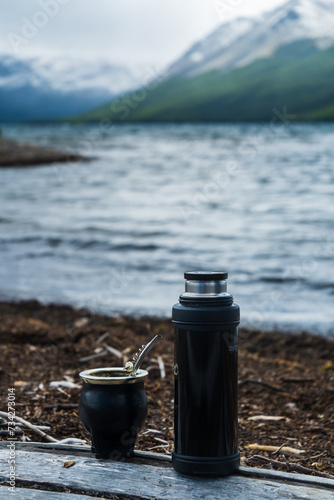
(161, 367)
(319, 455)
(298, 379)
(30, 426)
(159, 446)
(161, 440)
(61, 406)
(278, 449)
(154, 431)
(113, 351)
(103, 337)
(93, 356)
(40, 427)
(265, 447)
(289, 466)
(259, 382)
(268, 418)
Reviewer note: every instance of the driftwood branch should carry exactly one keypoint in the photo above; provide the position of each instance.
(289, 466)
(18, 425)
(30, 426)
(273, 449)
(42, 434)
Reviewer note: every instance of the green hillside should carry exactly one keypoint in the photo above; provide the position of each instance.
(298, 76)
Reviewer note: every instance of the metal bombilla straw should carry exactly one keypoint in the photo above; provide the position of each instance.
(132, 368)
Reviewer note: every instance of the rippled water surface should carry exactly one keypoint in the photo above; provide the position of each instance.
(116, 234)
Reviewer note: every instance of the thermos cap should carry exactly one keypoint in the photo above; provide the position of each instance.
(209, 283)
(205, 276)
(205, 301)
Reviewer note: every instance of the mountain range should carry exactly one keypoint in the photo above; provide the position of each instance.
(49, 89)
(240, 42)
(242, 71)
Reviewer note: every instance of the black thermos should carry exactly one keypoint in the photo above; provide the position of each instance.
(206, 377)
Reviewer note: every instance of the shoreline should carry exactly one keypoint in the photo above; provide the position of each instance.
(17, 306)
(283, 328)
(287, 378)
(17, 154)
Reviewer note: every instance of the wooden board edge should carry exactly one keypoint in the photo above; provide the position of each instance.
(159, 458)
(286, 476)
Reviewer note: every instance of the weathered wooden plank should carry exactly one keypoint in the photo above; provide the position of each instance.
(158, 459)
(148, 481)
(292, 477)
(29, 494)
(84, 450)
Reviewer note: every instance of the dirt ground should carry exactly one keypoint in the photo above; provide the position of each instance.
(42, 344)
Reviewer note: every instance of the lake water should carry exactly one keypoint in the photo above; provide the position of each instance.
(116, 234)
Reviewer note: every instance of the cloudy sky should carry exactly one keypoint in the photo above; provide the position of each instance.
(133, 32)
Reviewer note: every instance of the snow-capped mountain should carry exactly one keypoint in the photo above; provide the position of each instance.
(238, 42)
(41, 88)
(247, 69)
(65, 74)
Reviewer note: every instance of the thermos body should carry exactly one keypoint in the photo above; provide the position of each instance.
(206, 378)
